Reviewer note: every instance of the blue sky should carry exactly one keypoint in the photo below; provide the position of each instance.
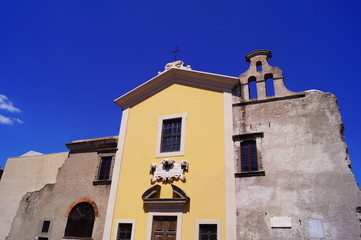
(62, 63)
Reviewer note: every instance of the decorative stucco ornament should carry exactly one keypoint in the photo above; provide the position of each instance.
(176, 64)
(168, 170)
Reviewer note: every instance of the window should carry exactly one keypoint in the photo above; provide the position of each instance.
(171, 135)
(208, 230)
(249, 160)
(259, 66)
(125, 229)
(252, 88)
(270, 88)
(104, 171)
(104, 168)
(46, 225)
(42, 238)
(248, 154)
(80, 221)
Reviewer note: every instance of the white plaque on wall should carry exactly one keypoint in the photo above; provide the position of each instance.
(281, 222)
(315, 229)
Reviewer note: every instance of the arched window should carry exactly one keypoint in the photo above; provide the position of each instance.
(249, 161)
(80, 221)
(252, 88)
(259, 66)
(270, 89)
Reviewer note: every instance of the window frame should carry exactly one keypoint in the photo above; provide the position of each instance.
(201, 222)
(124, 221)
(100, 173)
(249, 145)
(238, 139)
(98, 181)
(183, 117)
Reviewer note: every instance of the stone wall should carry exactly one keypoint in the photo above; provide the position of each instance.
(304, 188)
(75, 183)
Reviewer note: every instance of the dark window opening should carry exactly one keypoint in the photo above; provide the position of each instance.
(104, 168)
(259, 66)
(270, 88)
(358, 214)
(171, 135)
(46, 225)
(124, 231)
(80, 221)
(249, 161)
(208, 232)
(42, 238)
(252, 87)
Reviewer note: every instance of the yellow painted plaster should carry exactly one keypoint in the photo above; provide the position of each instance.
(204, 150)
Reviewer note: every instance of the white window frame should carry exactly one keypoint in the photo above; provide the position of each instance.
(158, 153)
(200, 222)
(120, 221)
(150, 223)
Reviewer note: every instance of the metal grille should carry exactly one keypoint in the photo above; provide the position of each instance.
(124, 231)
(208, 232)
(104, 170)
(171, 135)
(249, 156)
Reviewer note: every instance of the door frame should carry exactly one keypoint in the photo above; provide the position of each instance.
(150, 222)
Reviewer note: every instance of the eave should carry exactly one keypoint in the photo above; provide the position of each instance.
(186, 77)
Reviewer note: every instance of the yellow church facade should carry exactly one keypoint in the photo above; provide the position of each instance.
(172, 176)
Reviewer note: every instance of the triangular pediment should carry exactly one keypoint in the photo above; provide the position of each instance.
(171, 76)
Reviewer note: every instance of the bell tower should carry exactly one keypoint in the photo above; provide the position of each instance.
(260, 71)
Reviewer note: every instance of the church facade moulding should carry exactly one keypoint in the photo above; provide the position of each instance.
(168, 171)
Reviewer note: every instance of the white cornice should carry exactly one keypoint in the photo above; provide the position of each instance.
(193, 78)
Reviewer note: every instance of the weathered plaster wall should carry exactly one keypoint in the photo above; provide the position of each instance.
(74, 183)
(301, 150)
(306, 170)
(21, 175)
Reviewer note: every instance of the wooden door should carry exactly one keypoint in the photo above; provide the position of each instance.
(164, 228)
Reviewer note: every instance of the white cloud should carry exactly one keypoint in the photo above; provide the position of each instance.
(18, 120)
(5, 120)
(7, 105)
(9, 121)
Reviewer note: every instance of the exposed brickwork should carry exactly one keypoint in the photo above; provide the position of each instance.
(85, 199)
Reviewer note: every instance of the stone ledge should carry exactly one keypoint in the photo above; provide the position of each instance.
(270, 99)
(102, 182)
(75, 238)
(250, 174)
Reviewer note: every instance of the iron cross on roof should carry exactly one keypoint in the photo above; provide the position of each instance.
(175, 51)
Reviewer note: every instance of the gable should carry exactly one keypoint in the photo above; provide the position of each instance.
(187, 77)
